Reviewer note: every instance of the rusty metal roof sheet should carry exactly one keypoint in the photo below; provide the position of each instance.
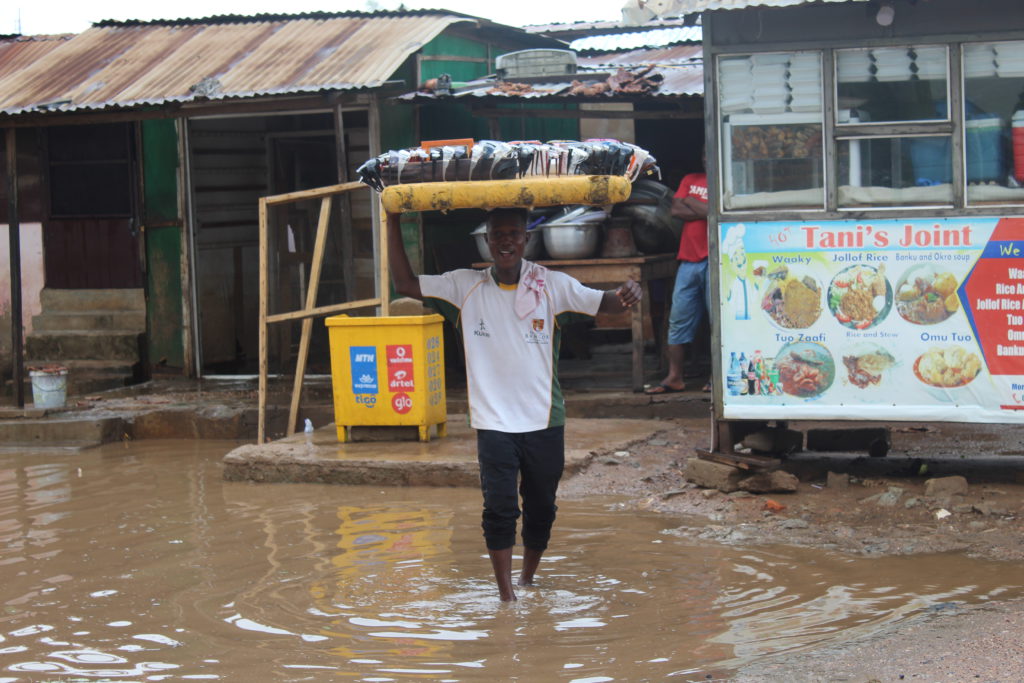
(687, 6)
(133, 63)
(17, 52)
(682, 77)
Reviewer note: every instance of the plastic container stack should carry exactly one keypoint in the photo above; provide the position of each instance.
(737, 84)
(854, 66)
(1009, 58)
(805, 82)
(985, 149)
(1018, 146)
(892, 63)
(979, 61)
(929, 63)
(771, 91)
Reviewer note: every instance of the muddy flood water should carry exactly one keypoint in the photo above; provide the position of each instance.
(137, 562)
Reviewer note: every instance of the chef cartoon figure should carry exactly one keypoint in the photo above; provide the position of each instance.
(735, 267)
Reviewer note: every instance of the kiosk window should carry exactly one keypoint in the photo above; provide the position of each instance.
(771, 108)
(892, 84)
(895, 171)
(994, 122)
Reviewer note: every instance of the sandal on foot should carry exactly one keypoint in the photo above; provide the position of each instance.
(655, 389)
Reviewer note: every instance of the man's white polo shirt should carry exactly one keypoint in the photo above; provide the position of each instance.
(511, 363)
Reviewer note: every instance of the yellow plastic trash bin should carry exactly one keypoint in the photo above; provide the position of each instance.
(388, 372)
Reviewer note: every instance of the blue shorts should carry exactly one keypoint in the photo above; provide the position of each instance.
(690, 300)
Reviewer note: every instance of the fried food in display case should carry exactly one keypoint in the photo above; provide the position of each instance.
(789, 141)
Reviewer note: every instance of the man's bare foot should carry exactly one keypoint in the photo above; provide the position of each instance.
(531, 559)
(501, 562)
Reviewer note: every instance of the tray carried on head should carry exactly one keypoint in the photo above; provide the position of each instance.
(527, 193)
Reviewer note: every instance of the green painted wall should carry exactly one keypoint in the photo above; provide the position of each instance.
(536, 128)
(160, 170)
(163, 231)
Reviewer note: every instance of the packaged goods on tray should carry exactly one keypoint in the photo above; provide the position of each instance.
(495, 160)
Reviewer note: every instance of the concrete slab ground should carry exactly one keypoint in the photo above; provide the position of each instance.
(227, 409)
(447, 461)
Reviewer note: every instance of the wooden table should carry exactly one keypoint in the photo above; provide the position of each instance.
(610, 272)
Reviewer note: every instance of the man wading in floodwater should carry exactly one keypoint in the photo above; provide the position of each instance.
(510, 318)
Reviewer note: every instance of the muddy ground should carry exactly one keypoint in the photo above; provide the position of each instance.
(882, 509)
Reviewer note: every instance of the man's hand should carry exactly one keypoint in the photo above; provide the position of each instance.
(621, 299)
(629, 294)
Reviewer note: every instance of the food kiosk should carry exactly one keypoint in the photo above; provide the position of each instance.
(866, 174)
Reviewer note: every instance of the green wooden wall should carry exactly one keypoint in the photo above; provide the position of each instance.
(163, 230)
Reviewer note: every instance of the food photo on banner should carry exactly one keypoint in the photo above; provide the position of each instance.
(917, 319)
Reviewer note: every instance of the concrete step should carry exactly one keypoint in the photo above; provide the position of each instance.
(86, 345)
(76, 300)
(94, 320)
(88, 376)
(60, 432)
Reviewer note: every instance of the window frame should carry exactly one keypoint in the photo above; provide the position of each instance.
(126, 162)
(833, 132)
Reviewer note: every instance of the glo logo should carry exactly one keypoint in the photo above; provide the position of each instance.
(402, 403)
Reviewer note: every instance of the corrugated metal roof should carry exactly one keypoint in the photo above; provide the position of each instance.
(134, 63)
(578, 28)
(629, 41)
(17, 52)
(682, 76)
(686, 6)
(674, 55)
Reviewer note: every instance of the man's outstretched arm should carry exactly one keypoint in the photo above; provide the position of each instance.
(621, 299)
(406, 282)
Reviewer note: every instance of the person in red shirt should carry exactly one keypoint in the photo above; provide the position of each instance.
(691, 295)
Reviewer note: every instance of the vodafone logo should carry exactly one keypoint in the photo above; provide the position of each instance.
(401, 403)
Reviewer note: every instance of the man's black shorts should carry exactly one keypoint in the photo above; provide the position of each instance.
(535, 461)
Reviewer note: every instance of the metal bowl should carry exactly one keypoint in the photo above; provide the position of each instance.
(571, 240)
(533, 251)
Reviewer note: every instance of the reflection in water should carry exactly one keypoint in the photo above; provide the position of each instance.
(138, 562)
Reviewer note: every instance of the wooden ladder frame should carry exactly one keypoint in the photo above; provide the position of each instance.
(309, 311)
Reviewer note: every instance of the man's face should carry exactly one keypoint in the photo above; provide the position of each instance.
(506, 238)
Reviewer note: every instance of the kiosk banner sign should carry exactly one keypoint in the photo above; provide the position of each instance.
(919, 319)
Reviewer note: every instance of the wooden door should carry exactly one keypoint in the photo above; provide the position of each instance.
(90, 240)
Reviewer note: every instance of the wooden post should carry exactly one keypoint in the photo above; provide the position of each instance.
(310, 310)
(307, 323)
(637, 325)
(346, 238)
(14, 240)
(385, 271)
(377, 213)
(261, 429)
